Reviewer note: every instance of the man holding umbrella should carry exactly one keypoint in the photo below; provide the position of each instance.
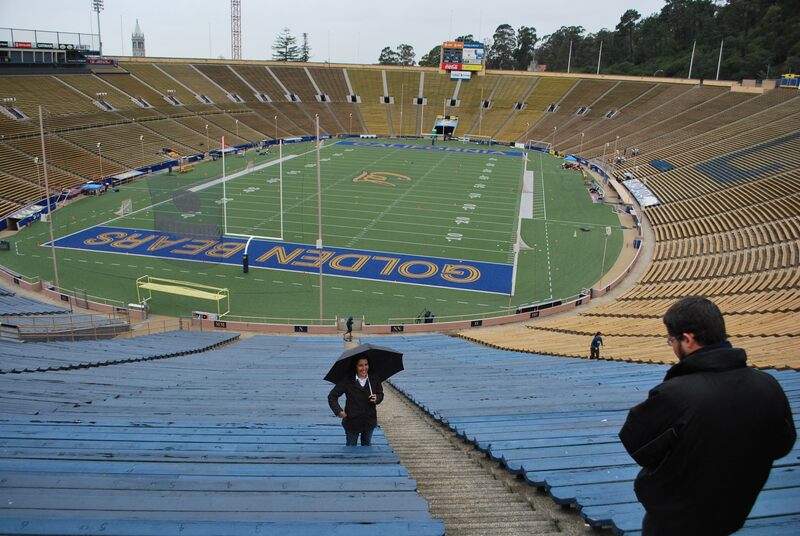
(351, 374)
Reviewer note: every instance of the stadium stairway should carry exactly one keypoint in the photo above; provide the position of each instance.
(235, 440)
(555, 421)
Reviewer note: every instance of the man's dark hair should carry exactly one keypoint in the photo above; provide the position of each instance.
(698, 316)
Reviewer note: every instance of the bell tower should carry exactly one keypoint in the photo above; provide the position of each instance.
(137, 41)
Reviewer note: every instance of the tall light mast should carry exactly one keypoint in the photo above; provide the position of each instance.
(236, 29)
(97, 5)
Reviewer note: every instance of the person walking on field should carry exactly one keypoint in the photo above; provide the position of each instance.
(348, 336)
(594, 348)
(706, 437)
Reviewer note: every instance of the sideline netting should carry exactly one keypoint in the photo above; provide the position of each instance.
(146, 285)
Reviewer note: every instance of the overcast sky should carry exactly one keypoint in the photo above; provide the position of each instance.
(340, 31)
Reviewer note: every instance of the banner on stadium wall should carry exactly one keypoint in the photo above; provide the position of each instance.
(458, 274)
(460, 75)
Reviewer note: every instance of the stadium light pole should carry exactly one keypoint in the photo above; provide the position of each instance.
(208, 147)
(605, 244)
(614, 162)
(141, 141)
(237, 128)
(100, 154)
(350, 128)
(581, 149)
(47, 199)
(554, 137)
(38, 175)
(604, 157)
(319, 219)
(97, 6)
(276, 127)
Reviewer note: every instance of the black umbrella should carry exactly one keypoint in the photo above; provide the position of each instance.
(383, 362)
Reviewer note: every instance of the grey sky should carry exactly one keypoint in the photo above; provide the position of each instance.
(340, 31)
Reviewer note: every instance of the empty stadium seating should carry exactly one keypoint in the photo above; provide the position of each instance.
(234, 440)
(555, 421)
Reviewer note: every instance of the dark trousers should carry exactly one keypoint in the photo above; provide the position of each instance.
(594, 353)
(352, 437)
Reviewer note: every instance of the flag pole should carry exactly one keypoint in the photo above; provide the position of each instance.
(319, 221)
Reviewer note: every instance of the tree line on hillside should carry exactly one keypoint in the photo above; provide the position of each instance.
(759, 39)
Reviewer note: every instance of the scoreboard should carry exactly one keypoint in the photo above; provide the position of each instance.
(462, 56)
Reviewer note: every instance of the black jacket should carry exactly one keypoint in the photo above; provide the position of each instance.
(706, 438)
(361, 413)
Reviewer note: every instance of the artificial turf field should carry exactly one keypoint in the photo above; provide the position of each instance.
(383, 197)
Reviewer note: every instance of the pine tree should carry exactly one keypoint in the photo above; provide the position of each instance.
(305, 49)
(285, 47)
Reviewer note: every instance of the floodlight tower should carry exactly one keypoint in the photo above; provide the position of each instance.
(236, 29)
(97, 5)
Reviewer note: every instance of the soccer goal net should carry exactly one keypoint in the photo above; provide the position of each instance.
(478, 138)
(539, 145)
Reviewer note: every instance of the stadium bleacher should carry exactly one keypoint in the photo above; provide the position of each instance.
(728, 149)
(555, 421)
(51, 356)
(233, 440)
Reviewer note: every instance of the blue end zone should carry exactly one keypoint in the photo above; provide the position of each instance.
(273, 255)
(429, 148)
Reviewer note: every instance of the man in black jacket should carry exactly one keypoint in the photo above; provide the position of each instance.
(707, 436)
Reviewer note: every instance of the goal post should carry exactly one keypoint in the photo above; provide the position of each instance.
(146, 285)
(255, 207)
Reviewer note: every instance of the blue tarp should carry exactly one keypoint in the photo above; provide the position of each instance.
(661, 165)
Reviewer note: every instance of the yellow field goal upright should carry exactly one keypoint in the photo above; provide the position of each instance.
(146, 285)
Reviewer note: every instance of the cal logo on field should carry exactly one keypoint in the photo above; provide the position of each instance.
(380, 177)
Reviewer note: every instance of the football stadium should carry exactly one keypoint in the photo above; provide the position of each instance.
(189, 243)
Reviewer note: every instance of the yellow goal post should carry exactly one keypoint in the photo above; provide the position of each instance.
(146, 285)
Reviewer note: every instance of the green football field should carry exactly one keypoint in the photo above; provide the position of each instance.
(386, 199)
